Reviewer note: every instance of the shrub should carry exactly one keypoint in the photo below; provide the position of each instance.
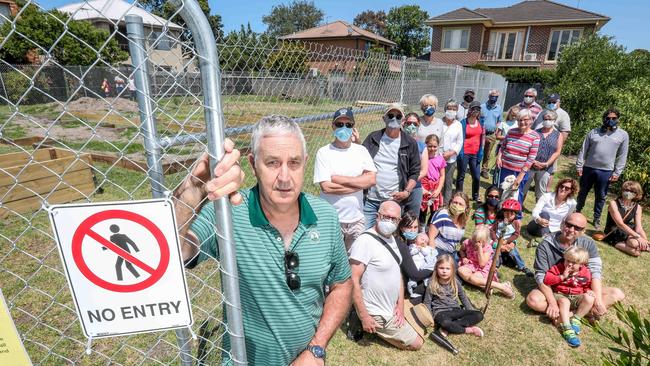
(531, 76)
(16, 84)
(631, 341)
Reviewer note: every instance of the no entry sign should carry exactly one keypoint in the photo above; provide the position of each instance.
(124, 266)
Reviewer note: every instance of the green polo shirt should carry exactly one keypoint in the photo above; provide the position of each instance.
(279, 323)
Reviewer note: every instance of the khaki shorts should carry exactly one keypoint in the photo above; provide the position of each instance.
(352, 230)
(573, 299)
(387, 330)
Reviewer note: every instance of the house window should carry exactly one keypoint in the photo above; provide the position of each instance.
(559, 39)
(455, 39)
(505, 45)
(160, 43)
(5, 11)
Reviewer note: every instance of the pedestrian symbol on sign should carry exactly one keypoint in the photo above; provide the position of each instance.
(122, 241)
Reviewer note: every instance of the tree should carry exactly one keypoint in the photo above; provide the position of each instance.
(236, 48)
(39, 32)
(405, 26)
(372, 21)
(295, 17)
(165, 9)
(290, 57)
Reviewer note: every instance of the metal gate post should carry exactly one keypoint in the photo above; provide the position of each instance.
(135, 34)
(401, 86)
(206, 48)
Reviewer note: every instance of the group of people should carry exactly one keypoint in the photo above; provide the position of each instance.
(107, 88)
(387, 233)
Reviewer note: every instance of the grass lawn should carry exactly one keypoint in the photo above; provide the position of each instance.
(33, 281)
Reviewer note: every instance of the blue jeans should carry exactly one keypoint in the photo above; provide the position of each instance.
(502, 176)
(474, 171)
(370, 209)
(513, 255)
(599, 180)
(413, 202)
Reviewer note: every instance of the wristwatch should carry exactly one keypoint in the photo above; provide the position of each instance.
(317, 351)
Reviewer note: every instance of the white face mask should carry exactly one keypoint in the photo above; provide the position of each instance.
(450, 115)
(528, 100)
(629, 195)
(548, 123)
(386, 227)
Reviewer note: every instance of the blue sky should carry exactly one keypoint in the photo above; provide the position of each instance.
(628, 25)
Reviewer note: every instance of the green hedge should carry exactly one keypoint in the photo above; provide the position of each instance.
(546, 77)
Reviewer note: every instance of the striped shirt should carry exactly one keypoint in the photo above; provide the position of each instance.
(547, 147)
(449, 235)
(518, 150)
(278, 323)
(481, 219)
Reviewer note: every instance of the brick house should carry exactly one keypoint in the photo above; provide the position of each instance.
(344, 36)
(527, 34)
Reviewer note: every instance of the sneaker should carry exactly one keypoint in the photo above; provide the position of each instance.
(597, 224)
(575, 324)
(570, 336)
(485, 174)
(528, 272)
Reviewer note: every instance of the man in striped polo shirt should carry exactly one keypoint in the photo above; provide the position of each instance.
(288, 245)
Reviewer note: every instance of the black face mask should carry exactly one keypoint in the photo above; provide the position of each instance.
(468, 98)
(494, 202)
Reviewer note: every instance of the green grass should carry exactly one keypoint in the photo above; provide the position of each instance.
(32, 279)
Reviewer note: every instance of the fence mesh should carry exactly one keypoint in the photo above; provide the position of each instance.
(70, 129)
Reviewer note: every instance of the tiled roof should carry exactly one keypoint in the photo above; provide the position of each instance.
(337, 29)
(529, 10)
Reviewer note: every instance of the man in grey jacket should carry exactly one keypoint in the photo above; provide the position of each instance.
(551, 251)
(601, 161)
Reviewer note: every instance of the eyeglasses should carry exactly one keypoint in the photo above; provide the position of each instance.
(386, 217)
(291, 262)
(566, 188)
(569, 225)
(392, 115)
(493, 196)
(411, 123)
(529, 96)
(475, 109)
(346, 124)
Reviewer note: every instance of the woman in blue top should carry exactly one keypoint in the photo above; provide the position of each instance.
(472, 151)
(447, 225)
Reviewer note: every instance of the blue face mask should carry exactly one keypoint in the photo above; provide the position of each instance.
(551, 106)
(410, 235)
(611, 123)
(343, 134)
(429, 111)
(492, 99)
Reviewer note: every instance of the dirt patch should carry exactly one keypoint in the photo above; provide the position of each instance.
(85, 104)
(38, 126)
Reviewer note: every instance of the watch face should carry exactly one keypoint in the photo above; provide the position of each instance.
(318, 351)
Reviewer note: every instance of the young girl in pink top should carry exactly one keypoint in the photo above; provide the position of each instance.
(476, 259)
(433, 182)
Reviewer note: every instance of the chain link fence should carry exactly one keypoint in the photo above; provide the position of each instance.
(129, 125)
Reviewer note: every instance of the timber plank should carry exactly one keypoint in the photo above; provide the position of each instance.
(45, 185)
(35, 202)
(43, 169)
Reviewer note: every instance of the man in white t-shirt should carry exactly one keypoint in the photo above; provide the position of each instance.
(343, 170)
(378, 289)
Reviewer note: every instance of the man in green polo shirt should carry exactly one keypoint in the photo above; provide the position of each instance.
(289, 246)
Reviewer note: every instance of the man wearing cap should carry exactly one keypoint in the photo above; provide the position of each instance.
(343, 170)
(563, 121)
(529, 102)
(463, 107)
(397, 159)
(491, 113)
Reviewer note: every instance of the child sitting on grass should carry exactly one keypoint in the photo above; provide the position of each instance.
(508, 227)
(570, 281)
(476, 259)
(441, 299)
(424, 257)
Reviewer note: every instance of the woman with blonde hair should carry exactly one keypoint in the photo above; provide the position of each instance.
(447, 225)
(623, 228)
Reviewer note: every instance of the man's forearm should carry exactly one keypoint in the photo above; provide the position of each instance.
(357, 300)
(336, 308)
(597, 288)
(410, 185)
(363, 181)
(548, 294)
(336, 188)
(187, 202)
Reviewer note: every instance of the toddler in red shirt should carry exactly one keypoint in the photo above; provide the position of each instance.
(570, 281)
